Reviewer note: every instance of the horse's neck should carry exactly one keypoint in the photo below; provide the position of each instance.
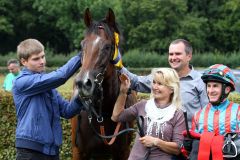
(111, 88)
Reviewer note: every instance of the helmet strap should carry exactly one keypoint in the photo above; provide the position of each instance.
(223, 96)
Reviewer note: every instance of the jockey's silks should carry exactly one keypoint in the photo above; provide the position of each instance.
(219, 119)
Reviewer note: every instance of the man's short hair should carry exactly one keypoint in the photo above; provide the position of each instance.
(29, 47)
(13, 61)
(188, 46)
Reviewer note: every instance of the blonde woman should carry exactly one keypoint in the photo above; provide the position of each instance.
(163, 118)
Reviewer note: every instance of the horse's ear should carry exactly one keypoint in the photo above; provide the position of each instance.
(87, 18)
(110, 18)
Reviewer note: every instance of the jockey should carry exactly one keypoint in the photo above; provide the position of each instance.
(219, 117)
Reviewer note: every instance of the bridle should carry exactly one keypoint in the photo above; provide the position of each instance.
(88, 101)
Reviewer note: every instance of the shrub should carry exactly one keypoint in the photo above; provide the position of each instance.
(140, 59)
(208, 59)
(135, 58)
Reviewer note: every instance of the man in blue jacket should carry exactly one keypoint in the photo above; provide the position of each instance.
(38, 104)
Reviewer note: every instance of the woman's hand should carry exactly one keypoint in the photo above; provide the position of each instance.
(125, 83)
(121, 100)
(168, 147)
(148, 141)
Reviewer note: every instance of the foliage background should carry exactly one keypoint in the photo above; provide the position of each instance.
(146, 25)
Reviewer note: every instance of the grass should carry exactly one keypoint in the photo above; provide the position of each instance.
(67, 86)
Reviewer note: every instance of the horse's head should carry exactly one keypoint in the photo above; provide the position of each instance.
(98, 47)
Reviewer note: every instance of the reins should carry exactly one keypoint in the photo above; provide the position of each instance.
(102, 129)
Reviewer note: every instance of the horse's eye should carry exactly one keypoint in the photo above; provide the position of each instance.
(107, 48)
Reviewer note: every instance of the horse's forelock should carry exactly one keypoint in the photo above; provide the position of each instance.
(96, 26)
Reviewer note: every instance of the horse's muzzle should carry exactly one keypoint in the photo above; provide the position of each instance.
(85, 86)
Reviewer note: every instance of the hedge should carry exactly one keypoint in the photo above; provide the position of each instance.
(140, 59)
(8, 125)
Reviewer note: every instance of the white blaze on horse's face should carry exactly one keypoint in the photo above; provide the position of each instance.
(86, 77)
(95, 46)
(96, 41)
(86, 84)
(87, 91)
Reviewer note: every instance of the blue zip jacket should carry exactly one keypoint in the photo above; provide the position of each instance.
(39, 107)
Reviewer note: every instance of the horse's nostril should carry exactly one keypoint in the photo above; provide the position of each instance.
(84, 85)
(79, 84)
(88, 84)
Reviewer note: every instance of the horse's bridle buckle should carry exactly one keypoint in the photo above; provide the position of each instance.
(99, 79)
(90, 118)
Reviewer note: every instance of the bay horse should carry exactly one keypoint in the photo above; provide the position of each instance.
(98, 84)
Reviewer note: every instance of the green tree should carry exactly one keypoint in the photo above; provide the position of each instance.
(6, 26)
(152, 26)
(146, 25)
(22, 21)
(67, 16)
(222, 25)
(226, 26)
(5, 17)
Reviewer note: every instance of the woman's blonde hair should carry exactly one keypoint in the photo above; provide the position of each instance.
(169, 78)
(29, 47)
